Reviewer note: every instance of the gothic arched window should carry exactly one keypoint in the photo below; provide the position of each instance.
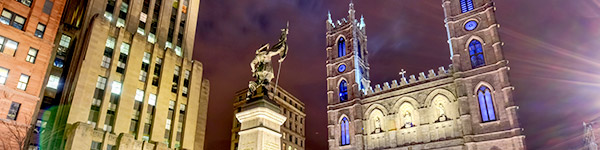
(343, 91)
(466, 5)
(345, 136)
(476, 53)
(341, 47)
(486, 104)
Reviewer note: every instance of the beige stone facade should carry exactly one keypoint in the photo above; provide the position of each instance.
(467, 105)
(27, 32)
(293, 129)
(126, 79)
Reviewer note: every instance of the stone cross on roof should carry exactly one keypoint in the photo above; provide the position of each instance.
(402, 72)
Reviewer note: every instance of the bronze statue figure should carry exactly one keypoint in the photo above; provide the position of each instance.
(262, 70)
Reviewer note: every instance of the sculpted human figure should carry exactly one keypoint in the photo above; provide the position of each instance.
(262, 70)
(407, 120)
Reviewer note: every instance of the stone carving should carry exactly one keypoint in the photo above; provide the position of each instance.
(262, 70)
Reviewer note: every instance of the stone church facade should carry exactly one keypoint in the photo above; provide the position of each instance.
(468, 105)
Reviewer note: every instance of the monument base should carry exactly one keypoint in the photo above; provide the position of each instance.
(261, 121)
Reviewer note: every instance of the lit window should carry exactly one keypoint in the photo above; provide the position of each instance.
(116, 88)
(486, 104)
(476, 53)
(53, 82)
(108, 52)
(23, 82)
(145, 67)
(110, 8)
(12, 19)
(39, 31)
(343, 91)
(3, 75)
(123, 57)
(152, 99)
(25, 2)
(63, 45)
(139, 95)
(120, 22)
(13, 112)
(123, 13)
(140, 30)
(6, 17)
(168, 45)
(341, 47)
(466, 5)
(344, 128)
(151, 38)
(178, 51)
(31, 55)
(108, 16)
(8, 46)
(101, 83)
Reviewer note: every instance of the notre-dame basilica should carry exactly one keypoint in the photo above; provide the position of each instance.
(466, 106)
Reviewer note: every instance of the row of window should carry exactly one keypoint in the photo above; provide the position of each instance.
(123, 11)
(17, 21)
(23, 80)
(9, 46)
(98, 146)
(139, 98)
(292, 139)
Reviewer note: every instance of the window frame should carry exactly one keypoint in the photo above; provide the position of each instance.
(485, 99)
(13, 111)
(12, 21)
(344, 130)
(343, 91)
(476, 55)
(22, 85)
(31, 57)
(341, 43)
(5, 77)
(40, 33)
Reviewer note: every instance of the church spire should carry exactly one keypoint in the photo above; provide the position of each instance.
(351, 11)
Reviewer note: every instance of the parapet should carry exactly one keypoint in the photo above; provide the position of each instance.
(412, 80)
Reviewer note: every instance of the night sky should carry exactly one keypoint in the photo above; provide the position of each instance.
(552, 46)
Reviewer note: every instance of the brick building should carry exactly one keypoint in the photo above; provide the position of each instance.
(27, 32)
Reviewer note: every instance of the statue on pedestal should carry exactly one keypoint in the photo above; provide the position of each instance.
(262, 70)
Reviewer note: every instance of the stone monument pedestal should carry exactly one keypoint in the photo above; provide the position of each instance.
(261, 121)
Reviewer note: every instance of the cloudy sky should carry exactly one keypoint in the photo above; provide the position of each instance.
(552, 45)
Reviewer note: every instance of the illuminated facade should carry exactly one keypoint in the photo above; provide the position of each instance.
(27, 32)
(467, 106)
(122, 77)
(292, 130)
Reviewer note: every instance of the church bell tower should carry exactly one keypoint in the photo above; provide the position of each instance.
(347, 79)
(481, 75)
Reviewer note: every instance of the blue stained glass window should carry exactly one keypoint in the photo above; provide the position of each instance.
(466, 5)
(343, 91)
(486, 104)
(341, 47)
(476, 54)
(345, 136)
